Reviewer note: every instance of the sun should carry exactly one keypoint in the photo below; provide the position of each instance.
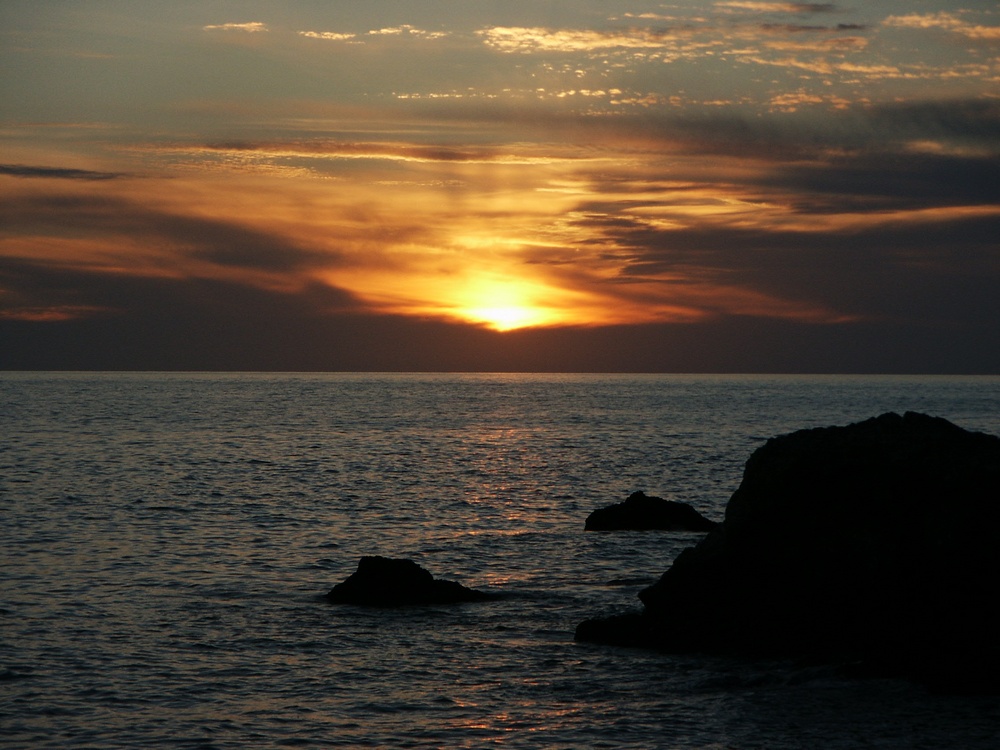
(507, 303)
(506, 318)
(487, 299)
(504, 304)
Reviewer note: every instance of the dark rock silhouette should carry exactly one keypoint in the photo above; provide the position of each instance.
(388, 582)
(876, 542)
(643, 512)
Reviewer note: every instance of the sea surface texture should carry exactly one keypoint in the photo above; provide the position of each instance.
(167, 541)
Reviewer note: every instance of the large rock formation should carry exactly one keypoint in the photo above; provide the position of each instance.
(879, 541)
(388, 582)
(643, 512)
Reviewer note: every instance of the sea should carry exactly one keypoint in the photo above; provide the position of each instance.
(167, 540)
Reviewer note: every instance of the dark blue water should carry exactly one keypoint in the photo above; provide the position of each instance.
(167, 539)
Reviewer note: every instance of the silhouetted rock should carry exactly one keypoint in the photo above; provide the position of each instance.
(878, 541)
(388, 582)
(643, 512)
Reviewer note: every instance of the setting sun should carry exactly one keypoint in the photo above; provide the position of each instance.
(506, 318)
(502, 306)
(498, 299)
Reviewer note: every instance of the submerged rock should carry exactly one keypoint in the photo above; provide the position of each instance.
(878, 541)
(643, 512)
(387, 582)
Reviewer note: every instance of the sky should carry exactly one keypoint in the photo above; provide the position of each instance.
(500, 185)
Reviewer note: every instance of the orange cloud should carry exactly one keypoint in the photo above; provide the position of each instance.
(55, 313)
(606, 221)
(331, 36)
(252, 27)
(407, 248)
(792, 102)
(532, 39)
(392, 151)
(769, 7)
(947, 22)
(837, 44)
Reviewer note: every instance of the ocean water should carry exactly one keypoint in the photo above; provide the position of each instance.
(167, 540)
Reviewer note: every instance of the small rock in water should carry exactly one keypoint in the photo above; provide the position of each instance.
(641, 512)
(388, 582)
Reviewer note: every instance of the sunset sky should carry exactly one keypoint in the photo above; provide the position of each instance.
(560, 185)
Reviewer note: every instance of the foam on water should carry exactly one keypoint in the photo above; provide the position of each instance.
(168, 538)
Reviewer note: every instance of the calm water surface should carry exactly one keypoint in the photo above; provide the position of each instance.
(167, 539)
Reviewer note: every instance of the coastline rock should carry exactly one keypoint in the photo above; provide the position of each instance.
(876, 542)
(387, 582)
(641, 512)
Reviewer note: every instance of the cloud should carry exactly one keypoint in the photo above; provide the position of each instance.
(332, 36)
(407, 30)
(827, 67)
(60, 173)
(793, 101)
(841, 44)
(126, 237)
(534, 39)
(252, 27)
(967, 120)
(934, 267)
(751, 232)
(90, 319)
(852, 135)
(50, 313)
(392, 151)
(945, 21)
(767, 7)
(404, 30)
(837, 221)
(879, 182)
(797, 28)
(699, 39)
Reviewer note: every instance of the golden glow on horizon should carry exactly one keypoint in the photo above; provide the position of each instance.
(515, 250)
(506, 318)
(495, 300)
(502, 305)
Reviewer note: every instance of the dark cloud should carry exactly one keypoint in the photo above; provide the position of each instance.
(938, 272)
(220, 242)
(159, 323)
(860, 159)
(871, 159)
(61, 173)
(975, 120)
(880, 182)
(808, 134)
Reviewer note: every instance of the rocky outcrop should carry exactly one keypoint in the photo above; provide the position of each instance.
(878, 541)
(643, 512)
(388, 582)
